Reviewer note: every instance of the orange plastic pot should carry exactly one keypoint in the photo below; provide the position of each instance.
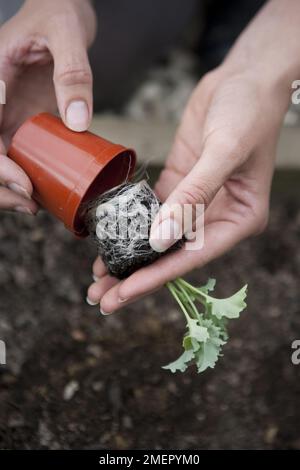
(67, 168)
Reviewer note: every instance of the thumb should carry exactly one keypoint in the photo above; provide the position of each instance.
(72, 77)
(194, 193)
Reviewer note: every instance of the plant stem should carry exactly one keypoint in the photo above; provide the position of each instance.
(193, 309)
(191, 288)
(172, 288)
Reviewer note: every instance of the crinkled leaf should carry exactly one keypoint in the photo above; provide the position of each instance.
(230, 307)
(196, 331)
(209, 286)
(207, 356)
(209, 352)
(181, 363)
(190, 343)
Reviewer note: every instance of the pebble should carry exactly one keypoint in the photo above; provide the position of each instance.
(98, 386)
(78, 335)
(95, 350)
(70, 389)
(270, 434)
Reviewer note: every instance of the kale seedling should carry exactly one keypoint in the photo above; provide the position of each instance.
(123, 255)
(206, 329)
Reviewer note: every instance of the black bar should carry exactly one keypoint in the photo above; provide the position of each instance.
(132, 458)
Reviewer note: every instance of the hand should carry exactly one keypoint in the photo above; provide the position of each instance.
(223, 155)
(44, 64)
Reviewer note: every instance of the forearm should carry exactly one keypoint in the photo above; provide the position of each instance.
(270, 45)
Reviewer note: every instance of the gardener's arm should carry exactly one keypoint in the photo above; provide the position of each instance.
(223, 155)
(44, 64)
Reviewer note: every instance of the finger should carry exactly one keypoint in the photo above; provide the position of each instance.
(72, 74)
(219, 238)
(99, 268)
(12, 176)
(9, 200)
(167, 182)
(218, 160)
(111, 302)
(98, 289)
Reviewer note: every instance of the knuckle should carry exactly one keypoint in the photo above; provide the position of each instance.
(74, 75)
(231, 145)
(208, 81)
(196, 193)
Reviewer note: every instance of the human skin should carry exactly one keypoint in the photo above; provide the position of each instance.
(223, 154)
(44, 64)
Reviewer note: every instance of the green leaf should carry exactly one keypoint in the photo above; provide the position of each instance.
(207, 331)
(209, 286)
(181, 363)
(190, 343)
(196, 331)
(209, 352)
(230, 307)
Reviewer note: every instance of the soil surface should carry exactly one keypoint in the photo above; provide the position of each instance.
(76, 379)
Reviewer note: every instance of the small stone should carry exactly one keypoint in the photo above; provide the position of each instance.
(127, 422)
(201, 417)
(94, 350)
(97, 386)
(120, 442)
(70, 389)
(37, 235)
(45, 434)
(270, 434)
(78, 335)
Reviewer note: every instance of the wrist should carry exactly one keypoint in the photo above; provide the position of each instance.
(268, 49)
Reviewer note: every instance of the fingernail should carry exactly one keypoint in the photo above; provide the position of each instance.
(103, 312)
(16, 188)
(95, 278)
(91, 302)
(77, 116)
(123, 300)
(165, 235)
(24, 210)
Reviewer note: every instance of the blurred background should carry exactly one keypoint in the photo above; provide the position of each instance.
(75, 379)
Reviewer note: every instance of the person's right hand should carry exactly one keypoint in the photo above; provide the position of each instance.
(44, 65)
